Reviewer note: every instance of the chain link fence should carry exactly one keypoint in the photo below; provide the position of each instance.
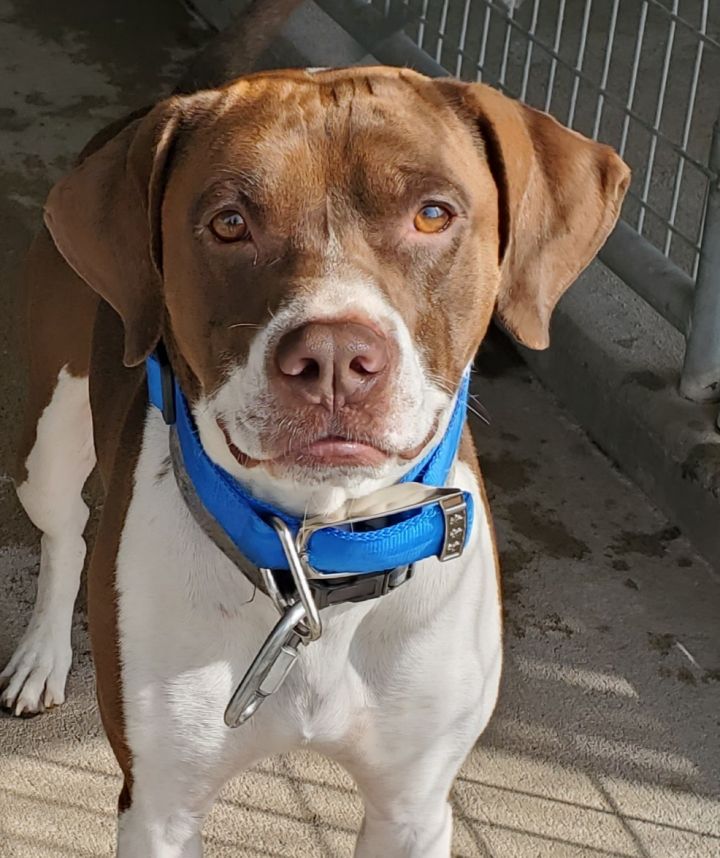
(641, 75)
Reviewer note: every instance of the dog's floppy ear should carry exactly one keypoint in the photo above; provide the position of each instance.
(559, 196)
(104, 218)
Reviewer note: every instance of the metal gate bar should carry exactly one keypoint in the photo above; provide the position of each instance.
(701, 371)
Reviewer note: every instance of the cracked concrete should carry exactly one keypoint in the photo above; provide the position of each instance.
(605, 741)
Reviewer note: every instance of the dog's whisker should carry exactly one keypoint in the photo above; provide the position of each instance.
(485, 414)
(305, 513)
(483, 417)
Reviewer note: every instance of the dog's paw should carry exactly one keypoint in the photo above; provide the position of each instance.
(34, 679)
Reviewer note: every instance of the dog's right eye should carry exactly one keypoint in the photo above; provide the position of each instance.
(230, 226)
(432, 218)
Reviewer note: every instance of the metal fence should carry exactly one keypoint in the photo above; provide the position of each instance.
(641, 75)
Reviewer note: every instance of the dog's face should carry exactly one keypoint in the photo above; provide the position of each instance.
(330, 258)
(322, 254)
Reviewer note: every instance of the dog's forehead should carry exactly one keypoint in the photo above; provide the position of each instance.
(329, 123)
(320, 91)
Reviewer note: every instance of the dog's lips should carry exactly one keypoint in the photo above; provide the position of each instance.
(240, 457)
(335, 450)
(328, 451)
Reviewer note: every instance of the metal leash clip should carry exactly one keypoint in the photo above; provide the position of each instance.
(300, 621)
(269, 669)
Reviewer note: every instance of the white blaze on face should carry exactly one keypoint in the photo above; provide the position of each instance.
(245, 401)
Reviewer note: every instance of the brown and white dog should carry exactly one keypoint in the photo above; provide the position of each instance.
(321, 254)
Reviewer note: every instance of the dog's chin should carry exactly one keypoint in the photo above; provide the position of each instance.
(337, 461)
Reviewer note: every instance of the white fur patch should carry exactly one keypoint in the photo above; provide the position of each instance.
(245, 403)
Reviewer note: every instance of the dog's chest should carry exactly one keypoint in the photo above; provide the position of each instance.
(190, 624)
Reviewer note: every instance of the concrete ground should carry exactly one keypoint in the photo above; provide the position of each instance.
(605, 741)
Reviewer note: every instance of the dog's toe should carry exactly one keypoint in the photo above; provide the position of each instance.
(34, 679)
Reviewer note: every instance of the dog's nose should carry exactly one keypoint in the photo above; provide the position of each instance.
(332, 363)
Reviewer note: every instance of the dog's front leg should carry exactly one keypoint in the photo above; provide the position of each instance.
(151, 829)
(427, 837)
(407, 814)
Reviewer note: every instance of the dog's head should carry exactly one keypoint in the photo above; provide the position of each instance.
(322, 253)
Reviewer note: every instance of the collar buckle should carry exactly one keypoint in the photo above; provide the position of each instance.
(360, 588)
(384, 503)
(455, 513)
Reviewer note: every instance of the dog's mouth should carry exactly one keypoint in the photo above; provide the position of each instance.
(326, 452)
(335, 450)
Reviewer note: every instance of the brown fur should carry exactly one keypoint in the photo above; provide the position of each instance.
(58, 309)
(372, 143)
(118, 403)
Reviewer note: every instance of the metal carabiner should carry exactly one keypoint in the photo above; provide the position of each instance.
(297, 570)
(299, 623)
(270, 667)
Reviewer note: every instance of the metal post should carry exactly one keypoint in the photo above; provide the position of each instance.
(701, 372)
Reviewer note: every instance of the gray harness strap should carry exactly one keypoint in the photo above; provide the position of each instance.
(206, 522)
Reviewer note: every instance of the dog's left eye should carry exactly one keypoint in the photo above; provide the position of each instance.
(230, 226)
(433, 217)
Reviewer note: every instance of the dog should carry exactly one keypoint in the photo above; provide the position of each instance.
(255, 308)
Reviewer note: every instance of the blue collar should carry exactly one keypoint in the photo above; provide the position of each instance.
(409, 537)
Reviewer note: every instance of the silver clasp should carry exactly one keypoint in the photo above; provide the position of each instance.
(299, 569)
(270, 667)
(299, 623)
